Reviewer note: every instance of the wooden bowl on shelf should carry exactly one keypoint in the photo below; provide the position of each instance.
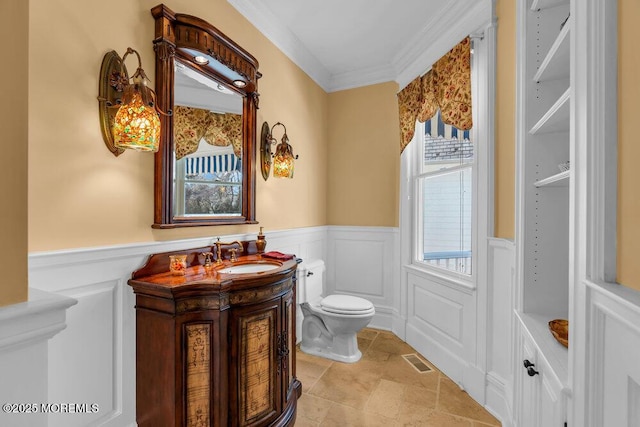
(560, 330)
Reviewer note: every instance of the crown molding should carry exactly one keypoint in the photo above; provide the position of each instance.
(267, 23)
(435, 38)
(362, 77)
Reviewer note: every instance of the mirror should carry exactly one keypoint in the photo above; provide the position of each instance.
(205, 168)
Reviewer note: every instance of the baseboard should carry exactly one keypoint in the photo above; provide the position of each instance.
(383, 319)
(498, 400)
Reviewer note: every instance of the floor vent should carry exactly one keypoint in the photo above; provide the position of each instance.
(418, 364)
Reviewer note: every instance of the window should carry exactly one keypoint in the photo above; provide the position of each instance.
(444, 195)
(210, 183)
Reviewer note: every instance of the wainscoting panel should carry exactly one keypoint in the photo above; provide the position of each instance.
(613, 349)
(95, 333)
(500, 322)
(362, 261)
(441, 321)
(439, 312)
(93, 359)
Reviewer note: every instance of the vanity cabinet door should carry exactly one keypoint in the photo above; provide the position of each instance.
(255, 378)
(288, 347)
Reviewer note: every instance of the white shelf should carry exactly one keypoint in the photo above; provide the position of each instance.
(555, 354)
(556, 119)
(556, 64)
(545, 4)
(558, 180)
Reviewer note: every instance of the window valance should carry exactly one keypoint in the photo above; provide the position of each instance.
(190, 125)
(446, 87)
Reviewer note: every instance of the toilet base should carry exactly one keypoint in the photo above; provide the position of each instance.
(327, 354)
(319, 336)
(341, 348)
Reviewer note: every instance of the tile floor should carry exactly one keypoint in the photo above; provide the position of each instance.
(382, 389)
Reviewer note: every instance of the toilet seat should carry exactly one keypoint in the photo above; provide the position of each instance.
(346, 305)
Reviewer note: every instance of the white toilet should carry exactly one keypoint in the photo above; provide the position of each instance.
(330, 323)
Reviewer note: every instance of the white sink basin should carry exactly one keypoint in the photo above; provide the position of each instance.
(248, 268)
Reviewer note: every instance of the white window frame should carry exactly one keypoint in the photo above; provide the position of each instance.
(417, 175)
(482, 135)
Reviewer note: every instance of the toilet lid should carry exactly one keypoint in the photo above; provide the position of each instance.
(346, 304)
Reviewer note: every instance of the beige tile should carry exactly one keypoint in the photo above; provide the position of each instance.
(382, 389)
(388, 342)
(305, 422)
(375, 355)
(349, 384)
(479, 424)
(413, 415)
(301, 355)
(364, 344)
(345, 416)
(313, 408)
(368, 333)
(386, 399)
(399, 370)
(308, 371)
(453, 400)
(420, 397)
(431, 418)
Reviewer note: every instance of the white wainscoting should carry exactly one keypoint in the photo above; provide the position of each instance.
(442, 324)
(25, 329)
(612, 370)
(441, 321)
(363, 261)
(93, 359)
(501, 283)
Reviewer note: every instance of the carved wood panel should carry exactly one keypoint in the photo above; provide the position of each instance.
(257, 385)
(198, 374)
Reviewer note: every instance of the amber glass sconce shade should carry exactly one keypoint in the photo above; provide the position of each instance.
(128, 115)
(283, 159)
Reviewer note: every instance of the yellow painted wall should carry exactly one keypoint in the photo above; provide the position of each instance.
(80, 195)
(14, 86)
(364, 156)
(628, 144)
(505, 143)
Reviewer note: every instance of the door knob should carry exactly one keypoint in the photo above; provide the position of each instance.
(530, 370)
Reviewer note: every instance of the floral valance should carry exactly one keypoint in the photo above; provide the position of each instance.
(190, 125)
(446, 87)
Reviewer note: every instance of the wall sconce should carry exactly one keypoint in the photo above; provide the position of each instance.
(282, 159)
(128, 115)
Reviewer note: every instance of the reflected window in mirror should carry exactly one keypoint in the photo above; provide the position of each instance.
(205, 169)
(207, 146)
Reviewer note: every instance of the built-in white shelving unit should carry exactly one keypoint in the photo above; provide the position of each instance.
(544, 108)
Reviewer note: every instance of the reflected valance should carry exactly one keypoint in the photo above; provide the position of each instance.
(446, 87)
(190, 125)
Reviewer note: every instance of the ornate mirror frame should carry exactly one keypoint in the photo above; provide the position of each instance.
(174, 34)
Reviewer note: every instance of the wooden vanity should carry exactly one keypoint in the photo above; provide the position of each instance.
(213, 348)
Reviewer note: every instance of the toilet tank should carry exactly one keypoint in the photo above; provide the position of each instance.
(311, 281)
(309, 286)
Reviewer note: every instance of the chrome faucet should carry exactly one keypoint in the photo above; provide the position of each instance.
(233, 251)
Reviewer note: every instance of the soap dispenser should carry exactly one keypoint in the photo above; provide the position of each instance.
(261, 243)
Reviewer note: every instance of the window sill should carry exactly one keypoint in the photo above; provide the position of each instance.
(453, 280)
